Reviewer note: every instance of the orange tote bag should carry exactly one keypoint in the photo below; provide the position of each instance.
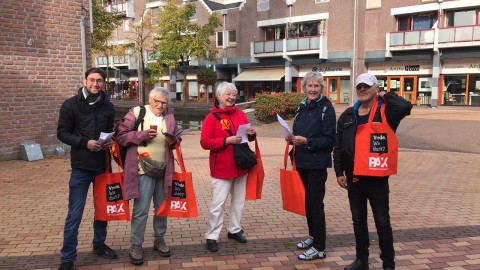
(181, 202)
(108, 194)
(255, 177)
(376, 147)
(291, 186)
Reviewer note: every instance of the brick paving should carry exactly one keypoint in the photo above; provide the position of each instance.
(435, 209)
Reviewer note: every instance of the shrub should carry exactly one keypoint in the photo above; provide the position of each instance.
(271, 103)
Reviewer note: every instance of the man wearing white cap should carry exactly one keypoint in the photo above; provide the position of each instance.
(365, 154)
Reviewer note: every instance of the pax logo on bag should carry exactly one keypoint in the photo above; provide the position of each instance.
(115, 209)
(378, 163)
(178, 205)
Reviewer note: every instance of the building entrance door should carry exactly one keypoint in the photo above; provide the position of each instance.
(404, 86)
(333, 89)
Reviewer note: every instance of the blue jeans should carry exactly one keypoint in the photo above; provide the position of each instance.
(376, 191)
(148, 188)
(78, 189)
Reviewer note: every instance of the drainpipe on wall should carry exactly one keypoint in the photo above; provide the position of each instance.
(354, 60)
(436, 65)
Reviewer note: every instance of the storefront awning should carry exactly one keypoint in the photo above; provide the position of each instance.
(261, 74)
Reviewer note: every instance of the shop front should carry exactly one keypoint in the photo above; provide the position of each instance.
(460, 83)
(255, 80)
(337, 80)
(410, 80)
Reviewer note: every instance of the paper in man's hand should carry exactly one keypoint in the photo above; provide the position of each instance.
(105, 137)
(284, 125)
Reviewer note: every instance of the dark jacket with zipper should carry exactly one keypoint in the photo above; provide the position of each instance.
(396, 108)
(80, 122)
(213, 138)
(315, 120)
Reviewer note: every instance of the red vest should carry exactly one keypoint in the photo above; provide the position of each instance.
(376, 147)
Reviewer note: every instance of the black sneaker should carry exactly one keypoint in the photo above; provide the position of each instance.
(212, 245)
(104, 251)
(67, 266)
(237, 237)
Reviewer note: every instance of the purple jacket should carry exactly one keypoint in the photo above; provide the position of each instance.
(129, 138)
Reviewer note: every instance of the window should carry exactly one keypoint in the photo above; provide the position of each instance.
(275, 32)
(460, 17)
(154, 15)
(219, 39)
(195, 16)
(232, 38)
(303, 29)
(417, 22)
(321, 1)
(263, 5)
(374, 4)
(126, 25)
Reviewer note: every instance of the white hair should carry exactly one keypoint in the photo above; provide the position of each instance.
(158, 91)
(221, 88)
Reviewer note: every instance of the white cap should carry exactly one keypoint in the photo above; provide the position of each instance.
(367, 79)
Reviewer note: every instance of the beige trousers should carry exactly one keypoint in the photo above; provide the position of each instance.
(237, 187)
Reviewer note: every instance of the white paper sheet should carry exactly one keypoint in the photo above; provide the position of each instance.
(284, 125)
(105, 137)
(242, 132)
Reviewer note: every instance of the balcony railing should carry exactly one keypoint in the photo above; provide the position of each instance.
(415, 37)
(292, 45)
(459, 34)
(126, 8)
(113, 61)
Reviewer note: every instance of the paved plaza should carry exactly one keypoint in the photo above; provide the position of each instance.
(435, 209)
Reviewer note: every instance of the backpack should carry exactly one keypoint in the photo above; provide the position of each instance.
(138, 122)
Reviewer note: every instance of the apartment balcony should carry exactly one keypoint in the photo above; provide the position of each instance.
(124, 7)
(448, 37)
(113, 61)
(290, 47)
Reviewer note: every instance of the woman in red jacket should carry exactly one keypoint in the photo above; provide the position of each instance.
(227, 177)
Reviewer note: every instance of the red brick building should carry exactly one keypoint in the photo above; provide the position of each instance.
(40, 66)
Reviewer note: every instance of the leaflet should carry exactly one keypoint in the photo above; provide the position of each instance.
(284, 125)
(105, 137)
(242, 132)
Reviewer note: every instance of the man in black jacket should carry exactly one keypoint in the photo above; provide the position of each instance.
(81, 120)
(367, 188)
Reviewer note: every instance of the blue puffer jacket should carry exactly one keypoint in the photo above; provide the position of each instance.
(315, 120)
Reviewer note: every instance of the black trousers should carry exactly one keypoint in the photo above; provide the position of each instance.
(376, 191)
(314, 182)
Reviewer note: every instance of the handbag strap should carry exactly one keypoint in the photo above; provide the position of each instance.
(180, 157)
(285, 158)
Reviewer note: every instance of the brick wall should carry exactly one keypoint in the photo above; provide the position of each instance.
(40, 66)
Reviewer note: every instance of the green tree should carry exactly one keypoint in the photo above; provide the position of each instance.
(104, 23)
(179, 40)
(140, 35)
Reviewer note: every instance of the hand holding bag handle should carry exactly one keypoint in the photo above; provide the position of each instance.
(108, 194)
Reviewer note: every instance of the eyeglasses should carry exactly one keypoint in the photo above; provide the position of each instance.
(98, 81)
(159, 102)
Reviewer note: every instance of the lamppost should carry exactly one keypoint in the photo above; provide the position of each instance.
(207, 55)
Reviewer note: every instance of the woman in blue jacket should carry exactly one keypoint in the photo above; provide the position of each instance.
(313, 137)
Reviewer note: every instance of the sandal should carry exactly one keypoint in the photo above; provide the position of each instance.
(307, 243)
(312, 254)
